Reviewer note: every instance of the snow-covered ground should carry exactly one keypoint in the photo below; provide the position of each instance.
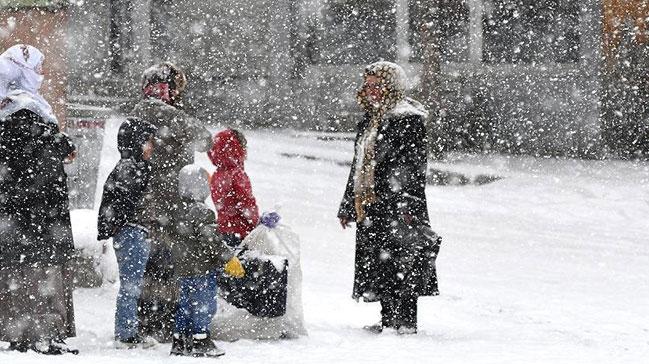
(548, 265)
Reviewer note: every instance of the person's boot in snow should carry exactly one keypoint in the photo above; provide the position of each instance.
(20, 346)
(203, 346)
(386, 322)
(180, 345)
(377, 328)
(134, 342)
(64, 347)
(406, 330)
(45, 346)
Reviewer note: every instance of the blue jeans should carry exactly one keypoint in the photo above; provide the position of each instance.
(197, 304)
(132, 252)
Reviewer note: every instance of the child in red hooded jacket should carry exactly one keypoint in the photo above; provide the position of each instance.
(237, 212)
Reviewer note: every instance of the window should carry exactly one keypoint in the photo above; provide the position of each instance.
(527, 31)
(501, 31)
(454, 29)
(358, 31)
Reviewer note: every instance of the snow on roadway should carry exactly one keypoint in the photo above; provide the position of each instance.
(548, 265)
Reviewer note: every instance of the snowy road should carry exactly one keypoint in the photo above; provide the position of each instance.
(548, 265)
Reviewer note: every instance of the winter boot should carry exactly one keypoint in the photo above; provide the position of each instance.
(21, 346)
(203, 346)
(180, 345)
(134, 342)
(45, 347)
(406, 330)
(374, 329)
(64, 347)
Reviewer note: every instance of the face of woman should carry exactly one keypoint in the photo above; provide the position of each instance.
(39, 68)
(373, 89)
(33, 81)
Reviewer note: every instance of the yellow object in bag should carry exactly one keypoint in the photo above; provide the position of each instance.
(234, 268)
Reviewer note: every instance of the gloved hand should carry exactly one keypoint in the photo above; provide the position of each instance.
(234, 268)
(345, 221)
(270, 219)
(232, 240)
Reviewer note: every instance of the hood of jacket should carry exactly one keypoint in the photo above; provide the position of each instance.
(132, 135)
(227, 152)
(193, 183)
(164, 81)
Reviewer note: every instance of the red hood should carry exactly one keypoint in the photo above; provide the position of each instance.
(226, 151)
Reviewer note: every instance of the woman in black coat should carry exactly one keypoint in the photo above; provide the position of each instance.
(395, 248)
(35, 234)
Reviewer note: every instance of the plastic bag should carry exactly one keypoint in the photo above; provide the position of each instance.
(231, 323)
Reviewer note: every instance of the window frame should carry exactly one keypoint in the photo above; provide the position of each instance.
(33, 4)
(476, 41)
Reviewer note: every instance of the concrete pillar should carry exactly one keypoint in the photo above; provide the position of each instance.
(476, 10)
(403, 31)
(591, 30)
(141, 44)
(280, 65)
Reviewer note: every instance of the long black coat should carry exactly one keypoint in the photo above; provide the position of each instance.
(34, 208)
(394, 255)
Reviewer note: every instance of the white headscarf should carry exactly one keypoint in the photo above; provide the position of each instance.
(20, 80)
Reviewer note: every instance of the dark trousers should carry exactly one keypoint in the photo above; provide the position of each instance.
(157, 303)
(399, 311)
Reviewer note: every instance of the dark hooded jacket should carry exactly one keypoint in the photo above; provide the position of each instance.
(197, 246)
(124, 188)
(35, 223)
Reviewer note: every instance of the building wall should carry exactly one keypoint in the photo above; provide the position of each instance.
(45, 29)
(235, 53)
(299, 62)
(99, 73)
(87, 44)
(621, 13)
